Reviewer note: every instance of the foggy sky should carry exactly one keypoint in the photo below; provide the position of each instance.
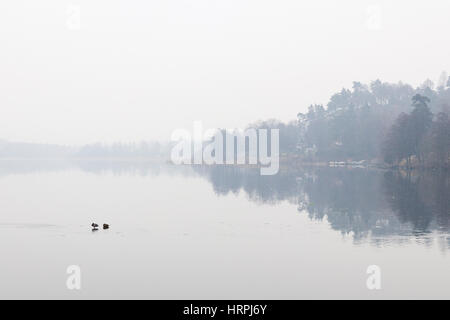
(134, 70)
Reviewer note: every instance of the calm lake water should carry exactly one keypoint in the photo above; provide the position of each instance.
(221, 232)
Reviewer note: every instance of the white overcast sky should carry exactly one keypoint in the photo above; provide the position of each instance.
(138, 69)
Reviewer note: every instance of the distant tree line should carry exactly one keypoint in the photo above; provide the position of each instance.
(386, 123)
(121, 150)
(382, 122)
(33, 150)
(97, 150)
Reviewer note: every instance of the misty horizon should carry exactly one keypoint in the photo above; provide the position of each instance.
(212, 151)
(434, 86)
(82, 72)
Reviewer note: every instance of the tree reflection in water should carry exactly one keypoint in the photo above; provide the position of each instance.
(363, 202)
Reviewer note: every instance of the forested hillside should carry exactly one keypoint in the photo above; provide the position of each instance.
(381, 122)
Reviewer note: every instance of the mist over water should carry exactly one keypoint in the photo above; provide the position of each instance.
(224, 149)
(221, 232)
